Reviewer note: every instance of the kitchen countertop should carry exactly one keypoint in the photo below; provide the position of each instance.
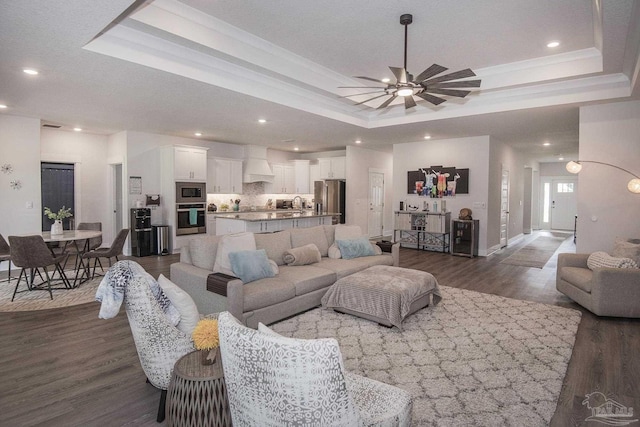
(270, 216)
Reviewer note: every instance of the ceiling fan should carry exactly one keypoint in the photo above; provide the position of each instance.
(424, 86)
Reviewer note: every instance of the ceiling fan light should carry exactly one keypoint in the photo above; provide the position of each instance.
(574, 167)
(634, 185)
(405, 92)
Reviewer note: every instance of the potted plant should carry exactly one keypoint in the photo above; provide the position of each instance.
(56, 227)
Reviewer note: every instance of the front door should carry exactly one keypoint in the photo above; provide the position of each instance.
(563, 203)
(376, 203)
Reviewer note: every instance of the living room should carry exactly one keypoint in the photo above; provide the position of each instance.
(584, 103)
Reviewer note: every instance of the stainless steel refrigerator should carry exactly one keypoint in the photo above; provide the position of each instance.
(330, 195)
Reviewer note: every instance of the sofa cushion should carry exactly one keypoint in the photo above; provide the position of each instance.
(627, 248)
(266, 292)
(308, 278)
(303, 255)
(604, 260)
(344, 267)
(330, 233)
(578, 277)
(275, 244)
(344, 232)
(315, 235)
(232, 243)
(250, 266)
(203, 251)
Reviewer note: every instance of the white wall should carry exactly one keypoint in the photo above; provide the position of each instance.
(89, 154)
(358, 163)
(606, 209)
(554, 169)
(20, 147)
(472, 153)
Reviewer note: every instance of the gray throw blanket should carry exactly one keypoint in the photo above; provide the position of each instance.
(303, 255)
(113, 287)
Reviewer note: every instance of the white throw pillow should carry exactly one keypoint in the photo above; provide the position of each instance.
(183, 302)
(232, 243)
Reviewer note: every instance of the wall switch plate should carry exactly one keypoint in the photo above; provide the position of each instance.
(29, 205)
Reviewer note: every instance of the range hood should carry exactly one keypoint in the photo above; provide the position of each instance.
(255, 166)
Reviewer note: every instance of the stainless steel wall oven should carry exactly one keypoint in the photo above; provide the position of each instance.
(191, 218)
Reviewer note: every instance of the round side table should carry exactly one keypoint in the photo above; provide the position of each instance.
(197, 394)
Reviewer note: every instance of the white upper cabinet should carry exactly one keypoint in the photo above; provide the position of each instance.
(190, 164)
(332, 167)
(301, 176)
(314, 175)
(224, 176)
(284, 179)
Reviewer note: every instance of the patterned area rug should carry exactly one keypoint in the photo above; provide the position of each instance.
(537, 253)
(473, 360)
(40, 300)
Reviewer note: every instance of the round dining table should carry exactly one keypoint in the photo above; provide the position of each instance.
(75, 236)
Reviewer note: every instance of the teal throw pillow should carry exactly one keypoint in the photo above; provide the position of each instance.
(355, 248)
(250, 265)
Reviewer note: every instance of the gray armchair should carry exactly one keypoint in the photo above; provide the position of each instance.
(611, 292)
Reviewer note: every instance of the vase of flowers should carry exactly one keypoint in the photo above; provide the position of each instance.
(205, 338)
(57, 217)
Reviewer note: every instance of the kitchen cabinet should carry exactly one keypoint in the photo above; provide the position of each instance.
(301, 177)
(284, 181)
(211, 225)
(224, 176)
(190, 164)
(332, 167)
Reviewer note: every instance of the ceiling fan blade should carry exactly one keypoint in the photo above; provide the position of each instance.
(357, 94)
(430, 72)
(430, 98)
(450, 92)
(400, 73)
(361, 87)
(465, 83)
(409, 102)
(452, 76)
(370, 78)
(387, 102)
(371, 99)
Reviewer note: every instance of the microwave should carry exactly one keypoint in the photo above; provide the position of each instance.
(191, 192)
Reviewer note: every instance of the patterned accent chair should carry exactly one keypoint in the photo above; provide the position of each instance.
(278, 381)
(159, 344)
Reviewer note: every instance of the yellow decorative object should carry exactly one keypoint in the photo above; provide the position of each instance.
(205, 335)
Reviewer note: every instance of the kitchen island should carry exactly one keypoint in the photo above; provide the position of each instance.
(267, 222)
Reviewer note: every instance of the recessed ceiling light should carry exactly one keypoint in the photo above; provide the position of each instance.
(386, 80)
(358, 141)
(295, 148)
(427, 137)
(560, 158)
(198, 134)
(553, 44)
(77, 129)
(546, 144)
(30, 71)
(2, 106)
(262, 121)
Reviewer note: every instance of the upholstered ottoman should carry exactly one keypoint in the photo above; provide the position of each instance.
(383, 294)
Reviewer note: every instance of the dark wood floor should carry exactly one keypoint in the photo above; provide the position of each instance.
(66, 367)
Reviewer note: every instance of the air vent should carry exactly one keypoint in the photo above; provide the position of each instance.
(47, 125)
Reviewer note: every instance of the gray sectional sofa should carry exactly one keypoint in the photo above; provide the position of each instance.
(293, 290)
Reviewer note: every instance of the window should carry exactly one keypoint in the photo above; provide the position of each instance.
(565, 187)
(57, 187)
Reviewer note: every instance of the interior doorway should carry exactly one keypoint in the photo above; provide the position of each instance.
(117, 198)
(376, 204)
